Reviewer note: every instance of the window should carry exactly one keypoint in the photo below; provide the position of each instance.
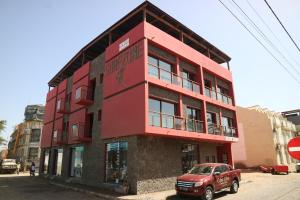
(55, 136)
(58, 161)
(213, 159)
(101, 78)
(33, 153)
(35, 135)
(161, 113)
(187, 76)
(227, 124)
(159, 69)
(189, 156)
(91, 123)
(99, 115)
(92, 89)
(46, 161)
(207, 159)
(211, 122)
(78, 93)
(116, 162)
(76, 161)
(58, 104)
(75, 130)
(192, 115)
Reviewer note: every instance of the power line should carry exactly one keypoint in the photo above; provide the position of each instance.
(284, 67)
(282, 25)
(266, 38)
(274, 35)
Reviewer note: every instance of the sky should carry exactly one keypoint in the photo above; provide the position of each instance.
(38, 37)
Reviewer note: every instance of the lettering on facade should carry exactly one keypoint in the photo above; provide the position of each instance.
(120, 62)
(124, 44)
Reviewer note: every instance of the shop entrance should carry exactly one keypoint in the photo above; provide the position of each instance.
(189, 156)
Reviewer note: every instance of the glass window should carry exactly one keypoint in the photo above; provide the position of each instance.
(154, 105)
(189, 156)
(152, 61)
(33, 153)
(76, 161)
(167, 108)
(116, 162)
(165, 66)
(78, 93)
(46, 161)
(59, 158)
(75, 130)
(35, 135)
(58, 104)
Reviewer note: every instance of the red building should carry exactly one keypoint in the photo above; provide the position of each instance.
(140, 104)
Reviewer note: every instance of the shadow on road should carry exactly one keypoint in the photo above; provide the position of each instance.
(216, 196)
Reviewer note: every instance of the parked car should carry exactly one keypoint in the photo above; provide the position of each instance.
(275, 169)
(204, 180)
(8, 166)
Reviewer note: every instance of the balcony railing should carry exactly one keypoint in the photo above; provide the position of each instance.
(83, 95)
(216, 129)
(174, 122)
(81, 133)
(174, 79)
(218, 96)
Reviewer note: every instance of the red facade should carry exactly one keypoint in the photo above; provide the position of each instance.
(126, 83)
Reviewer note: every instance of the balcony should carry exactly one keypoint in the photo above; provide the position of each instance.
(81, 133)
(61, 106)
(217, 129)
(60, 137)
(218, 96)
(174, 79)
(175, 122)
(83, 95)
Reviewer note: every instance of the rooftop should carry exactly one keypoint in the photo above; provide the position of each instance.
(153, 15)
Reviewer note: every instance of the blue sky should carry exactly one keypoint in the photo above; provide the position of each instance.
(38, 38)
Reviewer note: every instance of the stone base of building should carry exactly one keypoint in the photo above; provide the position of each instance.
(144, 163)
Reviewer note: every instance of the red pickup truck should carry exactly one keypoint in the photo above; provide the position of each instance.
(205, 180)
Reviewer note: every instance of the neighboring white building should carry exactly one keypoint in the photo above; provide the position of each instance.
(283, 131)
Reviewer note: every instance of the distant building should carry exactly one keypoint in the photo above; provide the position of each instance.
(293, 116)
(3, 154)
(264, 135)
(24, 143)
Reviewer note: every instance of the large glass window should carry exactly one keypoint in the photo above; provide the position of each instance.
(76, 161)
(193, 115)
(160, 69)
(59, 157)
(33, 153)
(227, 124)
(46, 161)
(116, 162)
(211, 122)
(161, 113)
(35, 135)
(189, 156)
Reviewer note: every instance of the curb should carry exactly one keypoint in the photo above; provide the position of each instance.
(104, 196)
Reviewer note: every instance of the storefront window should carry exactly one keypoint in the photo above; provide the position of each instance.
(76, 161)
(46, 161)
(59, 158)
(189, 156)
(116, 162)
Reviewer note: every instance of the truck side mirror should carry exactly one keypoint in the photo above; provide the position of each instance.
(217, 173)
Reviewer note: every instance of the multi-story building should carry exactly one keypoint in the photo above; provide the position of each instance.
(139, 105)
(264, 136)
(293, 116)
(25, 140)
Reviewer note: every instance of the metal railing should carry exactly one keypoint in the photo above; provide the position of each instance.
(217, 129)
(172, 78)
(218, 96)
(175, 122)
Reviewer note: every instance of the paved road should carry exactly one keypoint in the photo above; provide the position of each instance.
(259, 187)
(23, 187)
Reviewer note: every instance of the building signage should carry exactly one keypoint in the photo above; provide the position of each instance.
(124, 44)
(294, 148)
(120, 62)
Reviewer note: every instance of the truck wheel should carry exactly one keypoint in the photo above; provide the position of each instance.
(208, 193)
(234, 187)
